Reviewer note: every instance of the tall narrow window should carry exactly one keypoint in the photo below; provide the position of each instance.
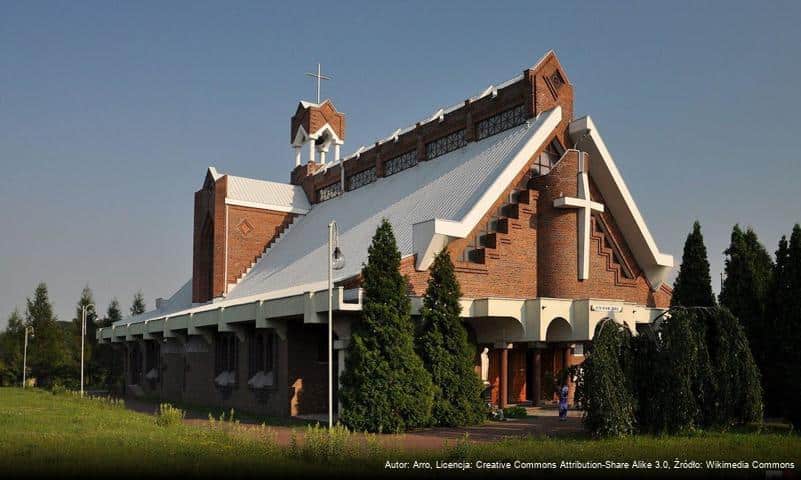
(226, 359)
(261, 371)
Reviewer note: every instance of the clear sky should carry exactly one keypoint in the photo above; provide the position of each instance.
(110, 113)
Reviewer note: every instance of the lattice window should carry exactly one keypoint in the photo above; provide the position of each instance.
(547, 159)
(501, 121)
(261, 353)
(446, 144)
(399, 163)
(361, 179)
(226, 354)
(329, 192)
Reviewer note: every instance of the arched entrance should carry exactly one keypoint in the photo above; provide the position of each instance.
(554, 358)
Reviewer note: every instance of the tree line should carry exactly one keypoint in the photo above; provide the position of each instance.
(54, 346)
(708, 362)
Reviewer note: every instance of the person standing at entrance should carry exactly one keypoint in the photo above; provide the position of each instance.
(563, 402)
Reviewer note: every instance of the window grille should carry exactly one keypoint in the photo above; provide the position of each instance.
(361, 179)
(501, 121)
(226, 354)
(262, 353)
(446, 144)
(399, 163)
(329, 192)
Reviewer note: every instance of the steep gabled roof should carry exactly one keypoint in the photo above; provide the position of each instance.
(450, 193)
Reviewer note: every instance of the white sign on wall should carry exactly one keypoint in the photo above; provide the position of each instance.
(606, 308)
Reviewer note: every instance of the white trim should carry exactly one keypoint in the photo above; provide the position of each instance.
(620, 203)
(431, 236)
(266, 206)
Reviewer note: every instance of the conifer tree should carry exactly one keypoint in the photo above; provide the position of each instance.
(113, 314)
(791, 365)
(49, 358)
(693, 285)
(679, 404)
(777, 331)
(138, 306)
(604, 383)
(385, 386)
(448, 356)
(11, 345)
(745, 290)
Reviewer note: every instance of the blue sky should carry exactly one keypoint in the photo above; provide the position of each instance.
(110, 113)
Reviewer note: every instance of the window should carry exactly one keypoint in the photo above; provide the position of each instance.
(361, 179)
(329, 192)
(152, 359)
(446, 144)
(135, 364)
(261, 359)
(226, 359)
(548, 158)
(399, 163)
(501, 121)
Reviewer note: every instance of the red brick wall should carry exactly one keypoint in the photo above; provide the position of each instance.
(250, 230)
(244, 245)
(308, 376)
(558, 246)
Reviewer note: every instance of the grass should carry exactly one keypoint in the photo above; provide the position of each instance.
(42, 433)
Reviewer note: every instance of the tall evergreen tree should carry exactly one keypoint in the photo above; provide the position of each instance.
(693, 286)
(446, 352)
(11, 346)
(385, 386)
(138, 305)
(792, 330)
(113, 314)
(777, 331)
(745, 290)
(49, 358)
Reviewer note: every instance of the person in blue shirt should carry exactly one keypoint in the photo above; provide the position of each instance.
(563, 402)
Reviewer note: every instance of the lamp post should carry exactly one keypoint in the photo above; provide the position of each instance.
(336, 261)
(83, 336)
(25, 354)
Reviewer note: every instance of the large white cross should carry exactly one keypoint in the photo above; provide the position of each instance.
(585, 208)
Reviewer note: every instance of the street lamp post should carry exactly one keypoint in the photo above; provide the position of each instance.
(336, 261)
(25, 355)
(83, 336)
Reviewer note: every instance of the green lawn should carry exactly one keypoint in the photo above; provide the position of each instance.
(42, 433)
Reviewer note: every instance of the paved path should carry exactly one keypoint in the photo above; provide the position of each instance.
(541, 422)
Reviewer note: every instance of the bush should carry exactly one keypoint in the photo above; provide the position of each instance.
(168, 415)
(604, 385)
(515, 412)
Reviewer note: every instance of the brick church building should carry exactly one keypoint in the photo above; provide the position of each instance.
(546, 239)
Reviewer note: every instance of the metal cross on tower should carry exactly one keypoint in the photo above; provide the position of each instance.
(319, 76)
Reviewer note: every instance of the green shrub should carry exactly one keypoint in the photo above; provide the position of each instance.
(604, 387)
(515, 412)
(168, 415)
